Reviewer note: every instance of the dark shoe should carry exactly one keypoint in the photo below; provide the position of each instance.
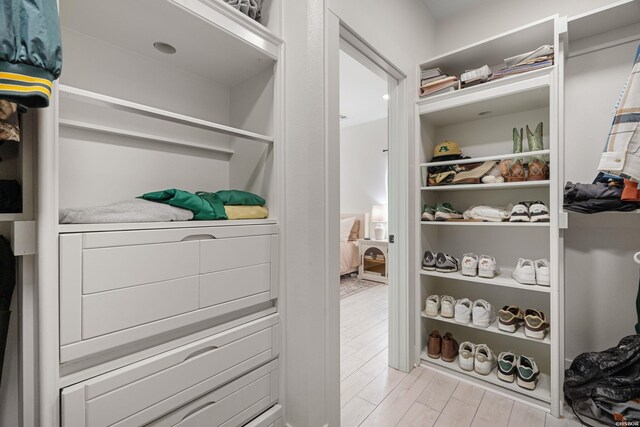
(429, 261)
(507, 366)
(434, 345)
(445, 263)
(449, 348)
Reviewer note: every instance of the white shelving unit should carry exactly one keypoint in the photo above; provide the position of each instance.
(480, 119)
(127, 119)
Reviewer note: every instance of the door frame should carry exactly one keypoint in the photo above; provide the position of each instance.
(340, 36)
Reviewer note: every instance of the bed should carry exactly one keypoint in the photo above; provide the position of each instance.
(350, 250)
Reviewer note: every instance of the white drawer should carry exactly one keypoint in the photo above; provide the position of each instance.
(230, 406)
(139, 393)
(120, 288)
(272, 417)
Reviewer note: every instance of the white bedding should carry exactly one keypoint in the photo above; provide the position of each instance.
(349, 257)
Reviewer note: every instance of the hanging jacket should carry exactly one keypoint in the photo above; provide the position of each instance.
(30, 51)
(622, 153)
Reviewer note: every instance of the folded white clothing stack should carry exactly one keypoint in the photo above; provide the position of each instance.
(488, 213)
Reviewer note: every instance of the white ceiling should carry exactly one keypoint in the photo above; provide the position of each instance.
(441, 9)
(361, 93)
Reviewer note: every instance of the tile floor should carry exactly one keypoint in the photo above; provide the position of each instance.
(372, 394)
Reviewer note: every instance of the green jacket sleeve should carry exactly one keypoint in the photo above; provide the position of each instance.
(30, 51)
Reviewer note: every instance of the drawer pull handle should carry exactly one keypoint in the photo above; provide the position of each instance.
(198, 237)
(197, 409)
(201, 351)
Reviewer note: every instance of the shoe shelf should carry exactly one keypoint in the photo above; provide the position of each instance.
(488, 223)
(541, 393)
(504, 279)
(495, 186)
(488, 158)
(493, 328)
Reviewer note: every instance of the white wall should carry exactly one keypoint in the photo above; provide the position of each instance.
(407, 36)
(363, 166)
(493, 17)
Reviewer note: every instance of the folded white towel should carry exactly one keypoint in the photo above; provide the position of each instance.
(136, 210)
(488, 213)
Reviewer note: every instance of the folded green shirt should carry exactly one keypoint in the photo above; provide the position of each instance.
(240, 198)
(203, 208)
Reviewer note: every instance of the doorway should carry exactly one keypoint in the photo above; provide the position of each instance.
(364, 220)
(398, 358)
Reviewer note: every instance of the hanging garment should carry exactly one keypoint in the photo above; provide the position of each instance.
(9, 122)
(622, 153)
(30, 51)
(7, 285)
(594, 198)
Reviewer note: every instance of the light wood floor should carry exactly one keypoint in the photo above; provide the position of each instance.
(372, 394)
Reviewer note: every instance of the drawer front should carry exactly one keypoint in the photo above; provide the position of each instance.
(113, 297)
(230, 406)
(107, 312)
(225, 254)
(228, 285)
(120, 267)
(146, 390)
(272, 417)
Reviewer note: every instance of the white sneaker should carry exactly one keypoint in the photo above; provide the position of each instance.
(432, 306)
(519, 213)
(485, 360)
(483, 313)
(447, 304)
(470, 264)
(467, 354)
(463, 311)
(525, 272)
(538, 212)
(487, 267)
(543, 272)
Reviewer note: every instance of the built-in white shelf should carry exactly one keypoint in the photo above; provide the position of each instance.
(488, 158)
(524, 92)
(157, 113)
(542, 392)
(493, 328)
(504, 279)
(88, 228)
(602, 20)
(139, 135)
(487, 223)
(495, 186)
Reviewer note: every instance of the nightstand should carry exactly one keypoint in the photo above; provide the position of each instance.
(373, 260)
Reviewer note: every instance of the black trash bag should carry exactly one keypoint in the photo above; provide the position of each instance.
(7, 285)
(599, 384)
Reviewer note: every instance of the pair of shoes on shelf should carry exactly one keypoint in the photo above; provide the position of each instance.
(444, 347)
(529, 212)
(483, 266)
(440, 212)
(480, 312)
(528, 272)
(443, 305)
(514, 170)
(522, 369)
(440, 261)
(535, 322)
(476, 357)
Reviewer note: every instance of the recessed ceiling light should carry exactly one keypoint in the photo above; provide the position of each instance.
(385, 96)
(164, 48)
(484, 113)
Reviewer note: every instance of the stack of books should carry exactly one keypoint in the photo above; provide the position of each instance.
(434, 81)
(539, 58)
(474, 77)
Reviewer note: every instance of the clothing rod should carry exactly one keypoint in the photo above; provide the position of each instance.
(602, 46)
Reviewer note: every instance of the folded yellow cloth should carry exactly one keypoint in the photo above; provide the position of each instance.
(246, 212)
